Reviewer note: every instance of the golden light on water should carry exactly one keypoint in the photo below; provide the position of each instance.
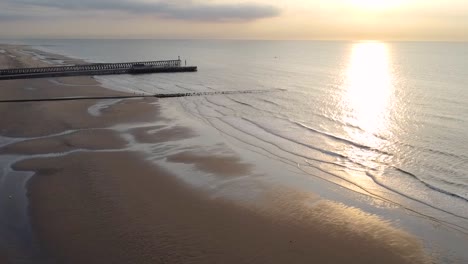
(367, 100)
(368, 87)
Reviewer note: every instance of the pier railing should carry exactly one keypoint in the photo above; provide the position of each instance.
(139, 67)
(92, 67)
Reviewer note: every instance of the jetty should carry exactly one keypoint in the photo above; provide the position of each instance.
(166, 95)
(139, 67)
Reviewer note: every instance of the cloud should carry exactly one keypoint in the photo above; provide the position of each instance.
(10, 17)
(180, 10)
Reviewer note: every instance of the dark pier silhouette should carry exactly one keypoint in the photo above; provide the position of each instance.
(97, 69)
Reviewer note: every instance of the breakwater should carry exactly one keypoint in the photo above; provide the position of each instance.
(169, 95)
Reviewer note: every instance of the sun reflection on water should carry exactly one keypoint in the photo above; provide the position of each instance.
(367, 101)
(368, 90)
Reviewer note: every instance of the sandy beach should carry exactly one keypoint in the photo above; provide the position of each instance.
(92, 200)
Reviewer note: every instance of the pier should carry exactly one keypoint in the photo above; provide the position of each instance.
(97, 69)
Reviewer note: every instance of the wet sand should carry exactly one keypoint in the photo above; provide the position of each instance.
(112, 206)
(94, 139)
(219, 165)
(100, 209)
(161, 134)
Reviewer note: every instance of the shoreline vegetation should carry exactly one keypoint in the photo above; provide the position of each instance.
(92, 200)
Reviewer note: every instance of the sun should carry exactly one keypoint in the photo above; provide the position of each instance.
(375, 4)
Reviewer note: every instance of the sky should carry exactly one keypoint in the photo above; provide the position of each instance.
(438, 20)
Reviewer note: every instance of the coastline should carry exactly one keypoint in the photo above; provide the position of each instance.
(93, 199)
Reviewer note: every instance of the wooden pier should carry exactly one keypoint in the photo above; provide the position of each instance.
(97, 69)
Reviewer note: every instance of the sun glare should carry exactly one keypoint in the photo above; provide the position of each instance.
(368, 98)
(375, 4)
(369, 89)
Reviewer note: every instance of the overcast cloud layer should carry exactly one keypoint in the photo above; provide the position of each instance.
(179, 9)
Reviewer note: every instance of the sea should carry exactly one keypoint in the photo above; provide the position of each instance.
(382, 126)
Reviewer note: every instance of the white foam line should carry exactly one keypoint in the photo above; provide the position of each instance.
(5, 141)
(130, 126)
(96, 109)
(6, 162)
(54, 81)
(13, 159)
(63, 154)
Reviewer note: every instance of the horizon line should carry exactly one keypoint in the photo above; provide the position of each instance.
(232, 39)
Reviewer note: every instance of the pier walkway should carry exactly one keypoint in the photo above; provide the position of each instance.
(97, 69)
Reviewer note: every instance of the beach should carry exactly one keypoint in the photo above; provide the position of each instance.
(92, 198)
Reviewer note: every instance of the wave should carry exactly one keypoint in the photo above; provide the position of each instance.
(344, 140)
(320, 150)
(376, 181)
(270, 102)
(378, 196)
(323, 151)
(276, 114)
(464, 158)
(184, 88)
(367, 169)
(217, 104)
(339, 155)
(246, 104)
(278, 147)
(430, 186)
(209, 87)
